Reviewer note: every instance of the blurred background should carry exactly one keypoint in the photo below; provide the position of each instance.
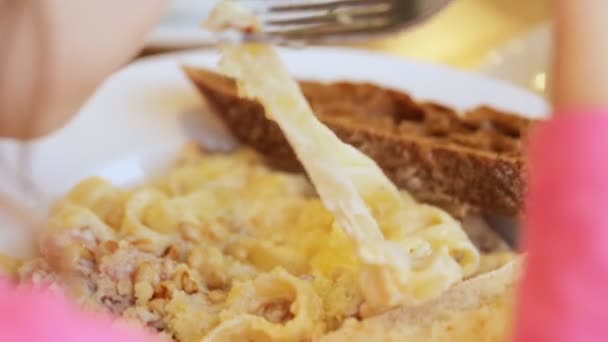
(504, 39)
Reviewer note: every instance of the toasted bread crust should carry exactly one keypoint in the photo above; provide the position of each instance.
(470, 161)
(478, 309)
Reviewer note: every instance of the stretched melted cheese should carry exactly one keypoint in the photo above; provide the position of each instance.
(426, 258)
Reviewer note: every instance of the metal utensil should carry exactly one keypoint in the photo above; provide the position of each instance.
(308, 22)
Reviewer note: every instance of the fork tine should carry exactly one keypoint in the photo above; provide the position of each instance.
(304, 5)
(342, 15)
(335, 29)
(302, 22)
(325, 5)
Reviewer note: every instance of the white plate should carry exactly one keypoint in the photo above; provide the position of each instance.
(141, 115)
(524, 61)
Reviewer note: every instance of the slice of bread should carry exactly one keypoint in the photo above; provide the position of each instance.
(478, 309)
(458, 162)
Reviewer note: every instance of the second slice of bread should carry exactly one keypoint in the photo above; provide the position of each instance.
(478, 309)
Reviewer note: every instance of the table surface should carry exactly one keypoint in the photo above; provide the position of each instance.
(464, 33)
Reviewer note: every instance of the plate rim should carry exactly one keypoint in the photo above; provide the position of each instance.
(188, 53)
(104, 157)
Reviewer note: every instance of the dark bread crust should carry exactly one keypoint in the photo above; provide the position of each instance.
(459, 162)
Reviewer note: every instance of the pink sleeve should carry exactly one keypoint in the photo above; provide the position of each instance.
(39, 316)
(564, 291)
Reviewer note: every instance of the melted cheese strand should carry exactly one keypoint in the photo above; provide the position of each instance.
(351, 186)
(339, 172)
(342, 175)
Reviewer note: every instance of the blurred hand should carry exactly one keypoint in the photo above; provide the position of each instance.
(580, 55)
(54, 53)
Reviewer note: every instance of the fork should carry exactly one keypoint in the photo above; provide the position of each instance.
(320, 22)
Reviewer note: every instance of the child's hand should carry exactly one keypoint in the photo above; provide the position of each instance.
(580, 67)
(55, 53)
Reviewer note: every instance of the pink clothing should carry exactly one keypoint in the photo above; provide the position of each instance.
(564, 291)
(34, 316)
